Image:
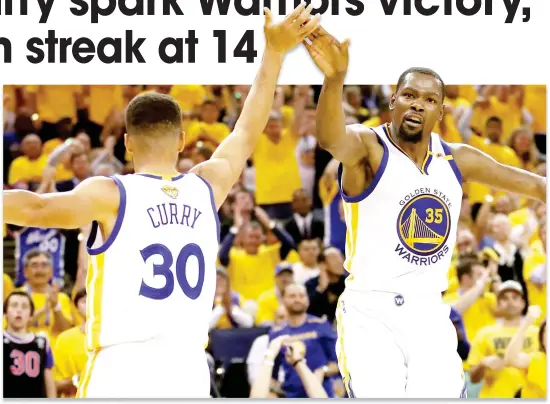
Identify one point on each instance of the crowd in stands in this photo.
(283, 237)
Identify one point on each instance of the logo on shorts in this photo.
(423, 226)
(399, 300)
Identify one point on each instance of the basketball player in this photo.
(28, 359)
(402, 188)
(155, 236)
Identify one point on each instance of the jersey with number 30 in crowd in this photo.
(155, 272)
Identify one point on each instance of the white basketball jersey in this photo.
(401, 231)
(155, 275)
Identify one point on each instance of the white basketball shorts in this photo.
(152, 369)
(397, 346)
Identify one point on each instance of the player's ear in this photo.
(128, 143)
(392, 101)
(181, 142)
(441, 112)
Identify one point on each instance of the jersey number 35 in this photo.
(165, 270)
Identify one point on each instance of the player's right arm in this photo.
(96, 198)
(343, 142)
(228, 161)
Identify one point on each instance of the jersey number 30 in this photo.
(165, 270)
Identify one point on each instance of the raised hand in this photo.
(330, 56)
(289, 33)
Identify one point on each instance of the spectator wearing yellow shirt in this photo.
(535, 102)
(523, 143)
(277, 171)
(250, 266)
(70, 352)
(207, 131)
(270, 300)
(535, 273)
(8, 286)
(533, 363)
(473, 301)
(383, 116)
(486, 359)
(26, 170)
(53, 313)
(227, 309)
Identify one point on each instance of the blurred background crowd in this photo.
(283, 234)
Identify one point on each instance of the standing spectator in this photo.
(277, 172)
(8, 286)
(28, 358)
(303, 225)
(26, 170)
(250, 266)
(208, 131)
(325, 290)
(308, 267)
(269, 301)
(314, 335)
(486, 360)
(80, 166)
(53, 313)
(70, 352)
(227, 307)
(535, 272)
(533, 363)
(474, 301)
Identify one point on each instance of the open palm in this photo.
(330, 56)
(289, 33)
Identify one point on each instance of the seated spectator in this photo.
(535, 273)
(314, 335)
(53, 313)
(227, 307)
(325, 289)
(303, 225)
(308, 267)
(269, 301)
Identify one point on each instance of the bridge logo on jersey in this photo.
(172, 192)
(423, 226)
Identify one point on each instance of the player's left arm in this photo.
(479, 167)
(228, 161)
(95, 198)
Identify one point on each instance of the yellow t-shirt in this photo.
(251, 275)
(277, 172)
(536, 293)
(267, 306)
(55, 101)
(480, 314)
(509, 112)
(24, 170)
(372, 122)
(70, 354)
(45, 322)
(535, 102)
(102, 99)
(501, 153)
(218, 131)
(188, 97)
(467, 92)
(493, 340)
(8, 286)
(288, 116)
(535, 387)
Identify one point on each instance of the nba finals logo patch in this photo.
(170, 191)
(423, 226)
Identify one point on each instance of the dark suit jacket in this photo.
(317, 230)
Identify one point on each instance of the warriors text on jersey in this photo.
(154, 276)
(401, 230)
(25, 360)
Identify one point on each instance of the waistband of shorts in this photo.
(405, 298)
